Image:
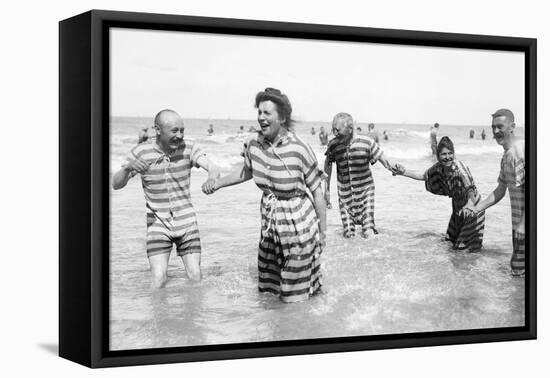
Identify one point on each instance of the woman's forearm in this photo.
(320, 208)
(238, 176)
(414, 175)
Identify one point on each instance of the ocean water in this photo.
(406, 279)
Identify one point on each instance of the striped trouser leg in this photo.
(368, 210)
(518, 256)
(347, 220)
(269, 271)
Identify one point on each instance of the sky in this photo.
(217, 76)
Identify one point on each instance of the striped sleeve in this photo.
(195, 154)
(131, 156)
(512, 167)
(313, 175)
(433, 179)
(375, 152)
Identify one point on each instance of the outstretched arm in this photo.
(208, 166)
(385, 162)
(402, 171)
(238, 176)
(491, 199)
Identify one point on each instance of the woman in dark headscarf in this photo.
(450, 177)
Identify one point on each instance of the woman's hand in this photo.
(210, 186)
(468, 211)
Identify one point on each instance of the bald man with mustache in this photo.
(165, 168)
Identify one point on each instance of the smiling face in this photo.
(446, 157)
(503, 130)
(269, 120)
(342, 128)
(169, 128)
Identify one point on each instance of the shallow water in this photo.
(406, 279)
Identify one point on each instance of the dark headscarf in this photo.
(284, 108)
(445, 142)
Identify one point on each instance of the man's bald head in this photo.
(170, 129)
(168, 117)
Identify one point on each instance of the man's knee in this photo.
(192, 266)
(159, 268)
(159, 278)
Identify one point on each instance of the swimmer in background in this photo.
(472, 133)
(433, 138)
(143, 135)
(210, 130)
(373, 133)
(385, 135)
(241, 130)
(313, 131)
(323, 136)
(483, 134)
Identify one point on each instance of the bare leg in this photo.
(192, 262)
(159, 268)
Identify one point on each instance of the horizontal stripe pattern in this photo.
(355, 181)
(466, 232)
(512, 174)
(457, 182)
(518, 256)
(289, 249)
(288, 167)
(166, 187)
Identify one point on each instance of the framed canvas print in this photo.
(236, 188)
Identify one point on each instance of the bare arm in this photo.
(320, 209)
(402, 171)
(208, 166)
(328, 171)
(120, 179)
(238, 176)
(491, 199)
(385, 162)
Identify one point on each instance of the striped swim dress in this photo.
(458, 183)
(355, 181)
(166, 185)
(289, 249)
(512, 174)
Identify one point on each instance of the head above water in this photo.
(436, 125)
(371, 126)
(169, 129)
(342, 126)
(445, 151)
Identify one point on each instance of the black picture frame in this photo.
(84, 194)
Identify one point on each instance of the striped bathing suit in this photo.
(170, 214)
(512, 174)
(289, 249)
(355, 181)
(458, 183)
